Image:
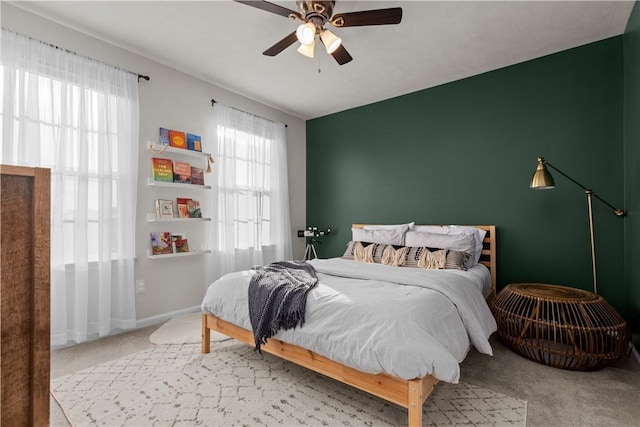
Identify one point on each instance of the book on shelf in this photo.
(194, 142)
(161, 243)
(180, 242)
(197, 175)
(193, 209)
(181, 172)
(183, 209)
(164, 208)
(164, 136)
(188, 208)
(162, 169)
(177, 139)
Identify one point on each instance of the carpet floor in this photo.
(554, 397)
(233, 385)
(185, 329)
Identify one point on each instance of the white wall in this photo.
(175, 100)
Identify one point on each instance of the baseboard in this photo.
(634, 350)
(148, 321)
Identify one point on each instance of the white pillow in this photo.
(405, 227)
(458, 229)
(384, 237)
(463, 242)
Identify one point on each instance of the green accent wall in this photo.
(631, 42)
(464, 153)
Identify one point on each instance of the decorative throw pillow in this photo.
(457, 260)
(364, 252)
(435, 259)
(452, 259)
(348, 253)
(394, 255)
(406, 256)
(376, 250)
(416, 253)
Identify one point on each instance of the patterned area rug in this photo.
(233, 385)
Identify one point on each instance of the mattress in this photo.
(406, 322)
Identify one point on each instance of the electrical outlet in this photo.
(141, 287)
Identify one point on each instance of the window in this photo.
(252, 201)
(79, 118)
(72, 149)
(73, 152)
(250, 189)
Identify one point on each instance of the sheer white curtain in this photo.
(78, 117)
(251, 204)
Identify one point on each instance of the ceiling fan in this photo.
(313, 16)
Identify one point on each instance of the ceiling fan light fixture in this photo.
(307, 49)
(306, 33)
(330, 40)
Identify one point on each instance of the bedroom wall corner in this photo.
(631, 42)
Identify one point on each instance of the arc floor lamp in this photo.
(542, 180)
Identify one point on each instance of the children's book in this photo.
(194, 142)
(197, 175)
(183, 207)
(162, 169)
(161, 243)
(180, 242)
(193, 209)
(164, 136)
(164, 208)
(177, 139)
(181, 172)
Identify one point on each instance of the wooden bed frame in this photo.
(409, 394)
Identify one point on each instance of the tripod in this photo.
(310, 250)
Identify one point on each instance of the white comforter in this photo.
(406, 322)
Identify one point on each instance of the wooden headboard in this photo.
(488, 256)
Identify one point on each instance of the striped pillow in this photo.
(395, 255)
(406, 256)
(457, 260)
(375, 250)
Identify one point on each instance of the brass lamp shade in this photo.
(542, 179)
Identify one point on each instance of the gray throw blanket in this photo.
(278, 297)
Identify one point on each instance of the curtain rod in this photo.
(213, 102)
(140, 76)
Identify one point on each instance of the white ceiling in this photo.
(436, 42)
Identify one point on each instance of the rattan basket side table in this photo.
(559, 326)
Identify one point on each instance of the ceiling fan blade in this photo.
(271, 7)
(341, 55)
(281, 45)
(368, 17)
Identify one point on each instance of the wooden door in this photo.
(24, 295)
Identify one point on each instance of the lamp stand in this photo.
(543, 180)
(593, 243)
(559, 326)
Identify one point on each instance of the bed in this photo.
(425, 360)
